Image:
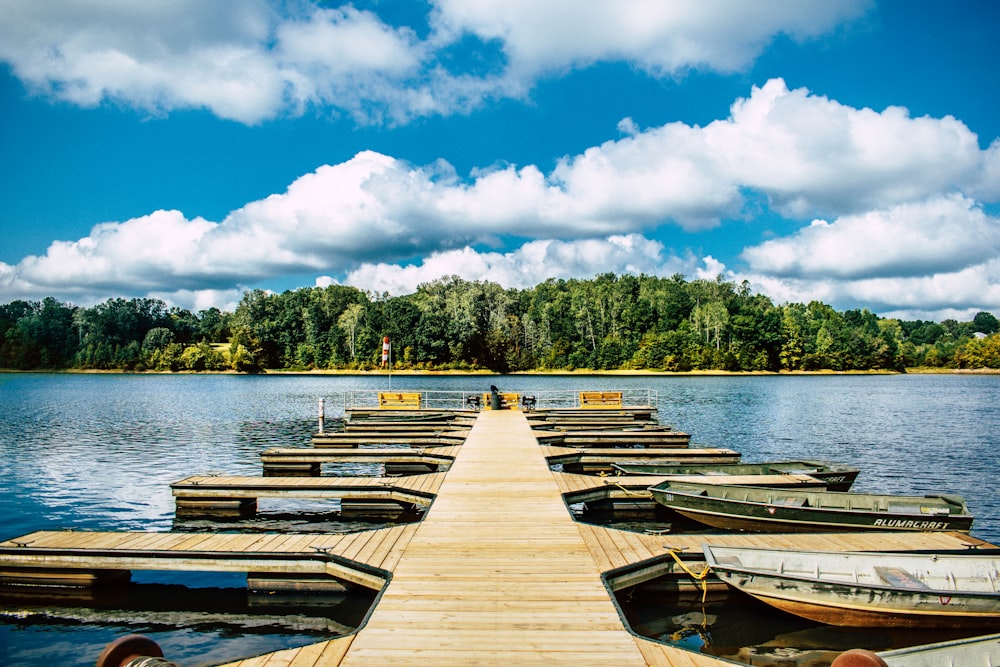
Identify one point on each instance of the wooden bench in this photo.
(600, 399)
(406, 400)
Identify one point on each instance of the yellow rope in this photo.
(637, 494)
(701, 577)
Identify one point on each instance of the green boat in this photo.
(836, 477)
(762, 509)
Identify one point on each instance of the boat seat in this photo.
(897, 577)
(790, 502)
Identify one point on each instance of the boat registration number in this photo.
(668, 496)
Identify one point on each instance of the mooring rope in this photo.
(627, 492)
(700, 577)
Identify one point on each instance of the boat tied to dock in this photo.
(750, 508)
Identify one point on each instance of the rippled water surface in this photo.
(98, 452)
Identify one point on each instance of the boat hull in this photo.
(867, 589)
(779, 510)
(843, 605)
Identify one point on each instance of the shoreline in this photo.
(583, 372)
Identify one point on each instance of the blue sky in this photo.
(842, 151)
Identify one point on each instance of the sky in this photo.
(845, 151)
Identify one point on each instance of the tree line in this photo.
(605, 323)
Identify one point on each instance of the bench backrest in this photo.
(399, 400)
(600, 399)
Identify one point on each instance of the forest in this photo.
(610, 322)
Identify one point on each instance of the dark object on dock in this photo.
(835, 477)
(858, 657)
(783, 510)
(133, 651)
(866, 589)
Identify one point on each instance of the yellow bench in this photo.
(406, 400)
(600, 399)
(508, 400)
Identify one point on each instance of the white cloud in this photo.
(928, 260)
(900, 190)
(956, 295)
(195, 300)
(941, 235)
(661, 36)
(255, 60)
(810, 154)
(527, 265)
(244, 60)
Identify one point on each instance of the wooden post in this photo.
(321, 414)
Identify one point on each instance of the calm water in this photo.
(98, 452)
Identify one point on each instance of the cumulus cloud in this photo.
(244, 60)
(661, 36)
(938, 236)
(933, 259)
(527, 265)
(900, 192)
(811, 153)
(957, 295)
(255, 60)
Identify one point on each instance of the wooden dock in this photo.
(409, 438)
(308, 461)
(204, 494)
(602, 459)
(614, 438)
(496, 573)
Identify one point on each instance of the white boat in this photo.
(867, 589)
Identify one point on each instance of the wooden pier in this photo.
(614, 438)
(207, 495)
(308, 461)
(602, 460)
(496, 573)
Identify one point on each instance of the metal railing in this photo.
(360, 399)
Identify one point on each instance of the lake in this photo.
(98, 452)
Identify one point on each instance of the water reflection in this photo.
(737, 627)
(98, 452)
